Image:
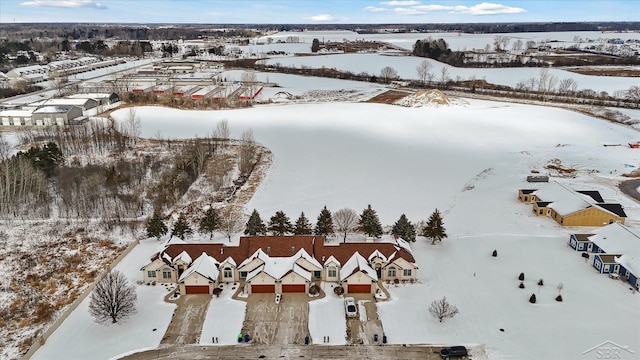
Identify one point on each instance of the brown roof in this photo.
(220, 252)
(285, 246)
(280, 246)
(608, 258)
(344, 251)
(582, 237)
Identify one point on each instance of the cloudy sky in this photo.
(316, 11)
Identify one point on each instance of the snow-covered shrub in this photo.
(494, 253)
(540, 282)
(559, 298)
(521, 277)
(521, 286)
(532, 299)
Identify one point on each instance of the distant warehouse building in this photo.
(84, 104)
(59, 115)
(16, 117)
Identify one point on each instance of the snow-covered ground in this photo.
(406, 67)
(327, 318)
(79, 337)
(223, 320)
(468, 160)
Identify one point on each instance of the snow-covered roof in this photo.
(230, 261)
(302, 253)
(166, 257)
(620, 239)
(18, 113)
(184, 257)
(332, 259)
(205, 90)
(277, 267)
(64, 101)
(53, 109)
(357, 263)
(93, 96)
(204, 265)
(378, 254)
(564, 200)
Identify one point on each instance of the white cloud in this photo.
(374, 9)
(408, 11)
(64, 4)
(322, 17)
(488, 9)
(479, 9)
(400, 3)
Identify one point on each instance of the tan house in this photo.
(200, 277)
(279, 264)
(572, 207)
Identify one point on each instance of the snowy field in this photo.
(406, 67)
(467, 160)
(80, 338)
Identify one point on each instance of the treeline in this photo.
(124, 32)
(67, 174)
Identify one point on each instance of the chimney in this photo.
(293, 249)
(268, 249)
(221, 250)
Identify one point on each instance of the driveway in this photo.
(186, 324)
(630, 187)
(268, 323)
(361, 330)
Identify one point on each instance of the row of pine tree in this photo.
(279, 224)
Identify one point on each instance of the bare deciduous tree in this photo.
(517, 45)
(633, 93)
(424, 71)
(442, 309)
(133, 125)
(388, 73)
(231, 221)
(113, 299)
(500, 42)
(444, 76)
(567, 86)
(247, 152)
(345, 221)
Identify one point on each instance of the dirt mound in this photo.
(430, 98)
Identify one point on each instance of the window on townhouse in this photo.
(243, 274)
(392, 271)
(151, 274)
(316, 274)
(166, 274)
(406, 272)
(228, 273)
(332, 271)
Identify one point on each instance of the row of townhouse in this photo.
(281, 264)
(614, 249)
(570, 207)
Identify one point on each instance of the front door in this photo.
(379, 271)
(590, 247)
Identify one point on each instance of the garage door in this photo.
(293, 288)
(263, 289)
(359, 288)
(197, 289)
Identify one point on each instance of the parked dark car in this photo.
(453, 352)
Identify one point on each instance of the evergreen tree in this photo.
(404, 229)
(315, 45)
(280, 224)
(181, 227)
(434, 229)
(324, 226)
(155, 226)
(255, 226)
(303, 226)
(370, 223)
(210, 222)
